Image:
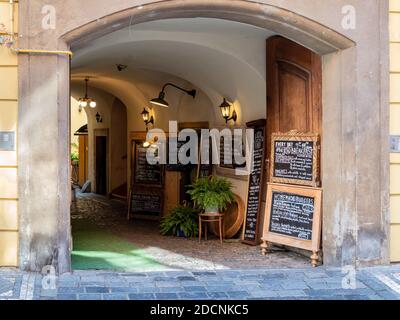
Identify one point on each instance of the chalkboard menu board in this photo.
(255, 187)
(145, 203)
(145, 173)
(293, 217)
(179, 166)
(228, 153)
(295, 158)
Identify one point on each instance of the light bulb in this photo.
(83, 104)
(146, 144)
(93, 104)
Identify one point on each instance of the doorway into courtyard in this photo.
(260, 74)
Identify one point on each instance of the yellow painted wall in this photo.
(8, 159)
(395, 128)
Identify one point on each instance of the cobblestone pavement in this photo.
(378, 283)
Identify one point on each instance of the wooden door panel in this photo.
(294, 88)
(294, 104)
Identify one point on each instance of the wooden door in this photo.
(83, 159)
(294, 88)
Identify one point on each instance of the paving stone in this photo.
(151, 289)
(115, 284)
(89, 296)
(68, 284)
(166, 284)
(264, 294)
(186, 278)
(273, 276)
(166, 296)
(317, 274)
(67, 297)
(238, 294)
(97, 290)
(70, 290)
(219, 288)
(193, 295)
(124, 290)
(294, 284)
(141, 296)
(217, 295)
(291, 293)
(115, 296)
(195, 289)
(172, 290)
(204, 273)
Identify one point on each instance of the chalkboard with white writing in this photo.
(144, 172)
(231, 155)
(145, 203)
(255, 186)
(295, 159)
(293, 217)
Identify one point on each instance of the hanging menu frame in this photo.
(256, 179)
(143, 214)
(295, 137)
(135, 156)
(314, 243)
(143, 188)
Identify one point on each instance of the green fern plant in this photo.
(211, 193)
(183, 219)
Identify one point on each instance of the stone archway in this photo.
(341, 215)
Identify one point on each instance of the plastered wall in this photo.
(8, 159)
(395, 129)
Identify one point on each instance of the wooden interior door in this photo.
(294, 88)
(83, 159)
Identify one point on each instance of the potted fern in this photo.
(182, 221)
(212, 194)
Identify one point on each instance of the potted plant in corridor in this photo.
(212, 194)
(181, 222)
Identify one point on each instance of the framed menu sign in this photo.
(143, 172)
(293, 218)
(145, 204)
(229, 152)
(295, 158)
(255, 185)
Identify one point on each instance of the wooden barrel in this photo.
(234, 217)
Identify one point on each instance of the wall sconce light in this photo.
(99, 118)
(160, 101)
(147, 118)
(225, 108)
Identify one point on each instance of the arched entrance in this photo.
(340, 210)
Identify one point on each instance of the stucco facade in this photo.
(355, 157)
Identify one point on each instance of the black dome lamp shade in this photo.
(160, 100)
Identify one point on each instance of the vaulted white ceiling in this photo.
(221, 58)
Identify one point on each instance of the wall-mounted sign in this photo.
(295, 158)
(7, 141)
(143, 172)
(293, 218)
(255, 187)
(395, 144)
(228, 153)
